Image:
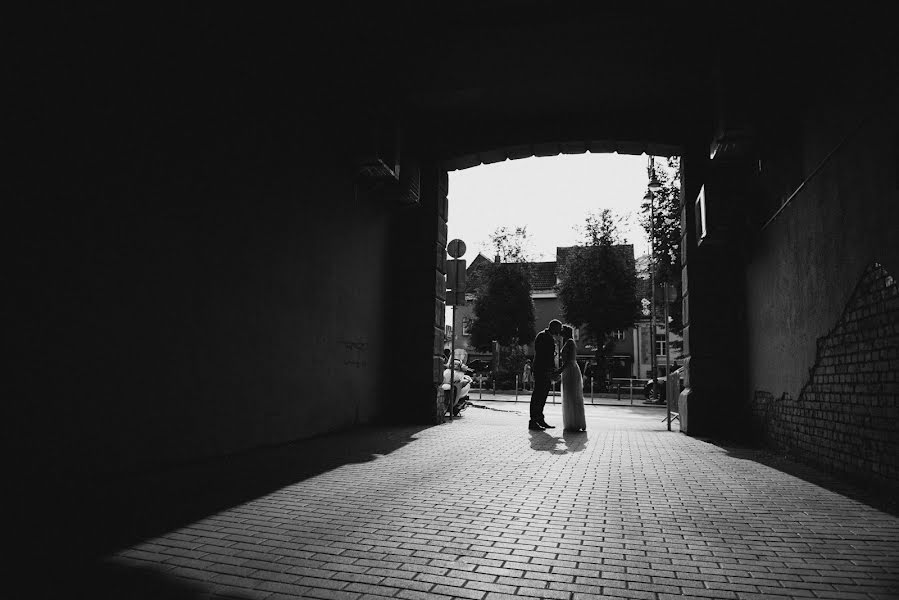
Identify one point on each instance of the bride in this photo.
(573, 418)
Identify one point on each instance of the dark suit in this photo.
(544, 365)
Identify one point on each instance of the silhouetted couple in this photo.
(545, 371)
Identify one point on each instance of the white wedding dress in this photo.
(573, 418)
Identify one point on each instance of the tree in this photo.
(602, 228)
(597, 285)
(503, 309)
(665, 231)
(597, 290)
(503, 313)
(511, 245)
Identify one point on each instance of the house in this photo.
(644, 341)
(629, 355)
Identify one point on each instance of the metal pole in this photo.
(592, 399)
(480, 386)
(516, 388)
(667, 362)
(652, 283)
(495, 363)
(452, 389)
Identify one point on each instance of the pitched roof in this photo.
(625, 251)
(542, 275)
(473, 272)
(479, 260)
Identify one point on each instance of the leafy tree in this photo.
(504, 313)
(602, 228)
(597, 290)
(511, 245)
(597, 287)
(664, 226)
(503, 309)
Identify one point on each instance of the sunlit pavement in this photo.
(483, 508)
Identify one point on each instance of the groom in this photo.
(544, 371)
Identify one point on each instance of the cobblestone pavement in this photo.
(483, 508)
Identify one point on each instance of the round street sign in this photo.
(456, 248)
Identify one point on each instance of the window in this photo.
(466, 326)
(618, 334)
(661, 345)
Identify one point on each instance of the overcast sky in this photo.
(549, 195)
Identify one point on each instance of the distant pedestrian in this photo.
(528, 376)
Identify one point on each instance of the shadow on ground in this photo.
(875, 498)
(108, 581)
(83, 521)
(563, 443)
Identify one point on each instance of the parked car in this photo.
(479, 366)
(662, 386)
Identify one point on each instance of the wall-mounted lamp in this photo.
(654, 184)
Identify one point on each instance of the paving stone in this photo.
(357, 577)
(367, 588)
(471, 576)
(230, 592)
(416, 595)
(490, 587)
(500, 596)
(458, 592)
(281, 587)
(330, 594)
(628, 510)
(440, 580)
(408, 584)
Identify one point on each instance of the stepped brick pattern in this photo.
(481, 508)
(846, 418)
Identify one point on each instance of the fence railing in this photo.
(622, 386)
(672, 396)
(628, 385)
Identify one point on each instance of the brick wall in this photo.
(846, 418)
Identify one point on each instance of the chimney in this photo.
(496, 259)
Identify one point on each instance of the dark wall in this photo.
(821, 374)
(416, 312)
(808, 261)
(194, 272)
(758, 293)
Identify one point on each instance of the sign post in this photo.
(672, 395)
(455, 283)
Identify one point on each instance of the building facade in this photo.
(629, 354)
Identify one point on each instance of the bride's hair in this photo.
(567, 332)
